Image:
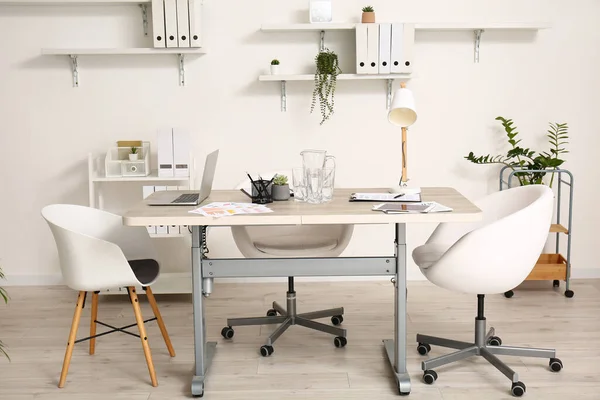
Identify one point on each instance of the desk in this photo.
(338, 211)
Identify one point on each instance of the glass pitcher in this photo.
(313, 162)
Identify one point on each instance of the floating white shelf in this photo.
(425, 26)
(70, 2)
(341, 77)
(123, 51)
(181, 52)
(99, 176)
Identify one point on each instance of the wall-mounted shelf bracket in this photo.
(322, 44)
(145, 18)
(283, 96)
(181, 58)
(388, 103)
(478, 33)
(75, 70)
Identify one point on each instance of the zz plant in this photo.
(4, 296)
(328, 69)
(523, 159)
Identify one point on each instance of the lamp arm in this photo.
(404, 177)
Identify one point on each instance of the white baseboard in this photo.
(33, 280)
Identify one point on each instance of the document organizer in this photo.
(117, 163)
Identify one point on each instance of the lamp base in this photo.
(404, 189)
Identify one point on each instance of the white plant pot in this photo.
(133, 157)
(274, 69)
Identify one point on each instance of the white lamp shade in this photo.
(403, 111)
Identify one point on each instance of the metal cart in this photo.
(550, 266)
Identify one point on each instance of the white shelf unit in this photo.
(70, 2)
(477, 28)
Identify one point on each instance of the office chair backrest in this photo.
(85, 237)
(246, 236)
(496, 254)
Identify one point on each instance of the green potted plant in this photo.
(4, 295)
(368, 15)
(523, 159)
(274, 67)
(281, 188)
(133, 156)
(328, 69)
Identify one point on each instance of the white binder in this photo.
(158, 23)
(171, 23)
(183, 23)
(361, 48)
(165, 153)
(397, 51)
(195, 11)
(181, 152)
(372, 48)
(407, 47)
(385, 48)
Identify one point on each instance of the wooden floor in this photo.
(305, 365)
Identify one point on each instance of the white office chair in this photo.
(90, 245)
(488, 257)
(284, 242)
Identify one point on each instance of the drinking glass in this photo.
(299, 184)
(328, 184)
(314, 185)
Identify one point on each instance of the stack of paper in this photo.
(222, 209)
(385, 197)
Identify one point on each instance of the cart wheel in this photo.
(569, 293)
(509, 294)
(556, 283)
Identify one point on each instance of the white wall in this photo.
(48, 127)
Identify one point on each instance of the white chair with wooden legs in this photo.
(488, 257)
(96, 251)
(284, 242)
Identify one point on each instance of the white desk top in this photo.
(338, 211)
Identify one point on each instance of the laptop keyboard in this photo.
(187, 198)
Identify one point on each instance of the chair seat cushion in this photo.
(428, 254)
(146, 271)
(287, 245)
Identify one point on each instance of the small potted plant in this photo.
(368, 15)
(274, 67)
(133, 156)
(281, 188)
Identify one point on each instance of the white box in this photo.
(173, 229)
(158, 23)
(172, 188)
(181, 152)
(171, 23)
(165, 153)
(117, 163)
(372, 48)
(159, 188)
(361, 48)
(147, 191)
(162, 230)
(183, 23)
(385, 48)
(195, 12)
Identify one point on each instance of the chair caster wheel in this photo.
(569, 293)
(337, 319)
(494, 341)
(340, 341)
(555, 283)
(272, 313)
(509, 294)
(423, 348)
(518, 389)
(266, 351)
(555, 364)
(429, 376)
(227, 332)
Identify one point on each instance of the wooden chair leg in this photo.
(140, 323)
(93, 322)
(159, 320)
(72, 337)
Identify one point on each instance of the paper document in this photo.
(222, 209)
(384, 197)
(421, 207)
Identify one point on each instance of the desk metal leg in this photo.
(203, 351)
(396, 348)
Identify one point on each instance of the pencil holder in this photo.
(262, 191)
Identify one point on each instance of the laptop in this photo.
(172, 198)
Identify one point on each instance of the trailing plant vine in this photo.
(325, 81)
(523, 159)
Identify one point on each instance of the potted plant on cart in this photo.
(328, 69)
(281, 188)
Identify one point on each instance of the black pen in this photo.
(400, 195)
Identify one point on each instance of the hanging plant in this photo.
(325, 80)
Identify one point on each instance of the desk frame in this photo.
(204, 270)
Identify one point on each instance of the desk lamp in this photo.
(403, 113)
